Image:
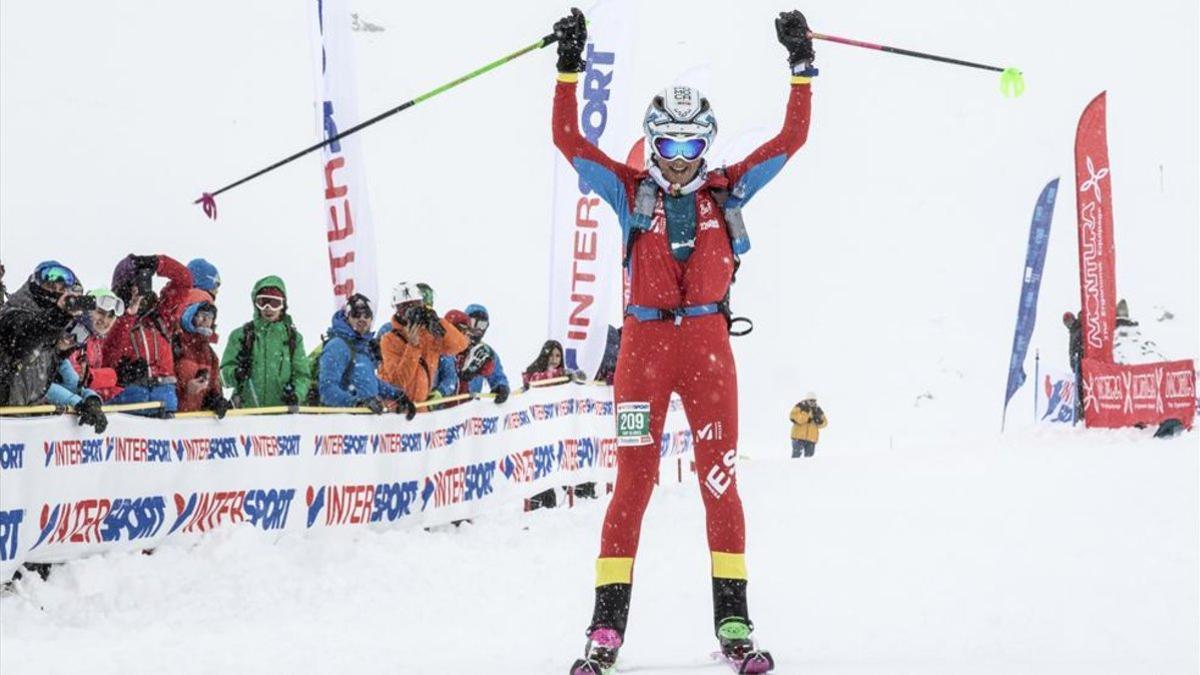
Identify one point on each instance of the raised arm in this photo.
(749, 175)
(609, 178)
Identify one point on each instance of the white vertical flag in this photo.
(348, 228)
(585, 246)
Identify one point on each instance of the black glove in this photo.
(818, 415)
(405, 406)
(132, 371)
(501, 393)
(90, 414)
(216, 403)
(433, 323)
(372, 404)
(571, 31)
(244, 368)
(793, 32)
(289, 397)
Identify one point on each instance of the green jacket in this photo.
(272, 366)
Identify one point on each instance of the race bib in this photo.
(633, 424)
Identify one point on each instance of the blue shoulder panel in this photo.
(758, 176)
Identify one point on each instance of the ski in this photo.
(751, 662)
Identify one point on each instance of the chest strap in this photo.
(677, 315)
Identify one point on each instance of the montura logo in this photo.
(1094, 178)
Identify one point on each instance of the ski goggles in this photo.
(268, 302)
(110, 303)
(669, 147)
(51, 274)
(478, 324)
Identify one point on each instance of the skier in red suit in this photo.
(682, 229)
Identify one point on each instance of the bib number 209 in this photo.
(633, 423)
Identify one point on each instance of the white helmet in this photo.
(405, 292)
(680, 123)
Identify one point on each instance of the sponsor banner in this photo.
(1031, 283)
(65, 493)
(1057, 400)
(1120, 395)
(349, 232)
(585, 237)
(1097, 257)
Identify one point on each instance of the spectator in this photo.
(68, 391)
(413, 347)
(348, 362)
(90, 330)
(807, 421)
(138, 346)
(547, 366)
(32, 321)
(1075, 355)
(197, 369)
(480, 363)
(205, 277)
(264, 359)
(607, 371)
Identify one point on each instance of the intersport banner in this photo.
(1122, 395)
(349, 232)
(585, 238)
(1031, 283)
(1097, 259)
(66, 493)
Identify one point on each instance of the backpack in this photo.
(644, 203)
(246, 351)
(314, 360)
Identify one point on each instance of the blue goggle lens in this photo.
(57, 273)
(670, 148)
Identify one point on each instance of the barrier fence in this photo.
(66, 492)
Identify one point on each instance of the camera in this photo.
(420, 315)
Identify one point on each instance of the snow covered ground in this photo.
(1040, 554)
(885, 275)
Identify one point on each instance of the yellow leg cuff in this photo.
(728, 565)
(797, 79)
(614, 571)
(568, 77)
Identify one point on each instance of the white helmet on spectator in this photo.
(404, 293)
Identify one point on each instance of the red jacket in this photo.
(196, 354)
(88, 361)
(547, 374)
(147, 337)
(658, 279)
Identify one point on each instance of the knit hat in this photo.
(204, 274)
(810, 396)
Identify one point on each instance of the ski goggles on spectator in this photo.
(52, 274)
(669, 147)
(479, 324)
(111, 304)
(359, 310)
(268, 302)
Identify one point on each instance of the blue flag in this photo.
(1035, 259)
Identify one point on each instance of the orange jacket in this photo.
(412, 368)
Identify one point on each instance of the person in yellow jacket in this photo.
(417, 340)
(807, 421)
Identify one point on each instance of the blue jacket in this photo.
(447, 376)
(69, 390)
(343, 348)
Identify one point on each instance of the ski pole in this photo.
(208, 199)
(1012, 81)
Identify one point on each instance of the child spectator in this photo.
(197, 370)
(68, 391)
(264, 360)
(547, 366)
(480, 363)
(807, 421)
